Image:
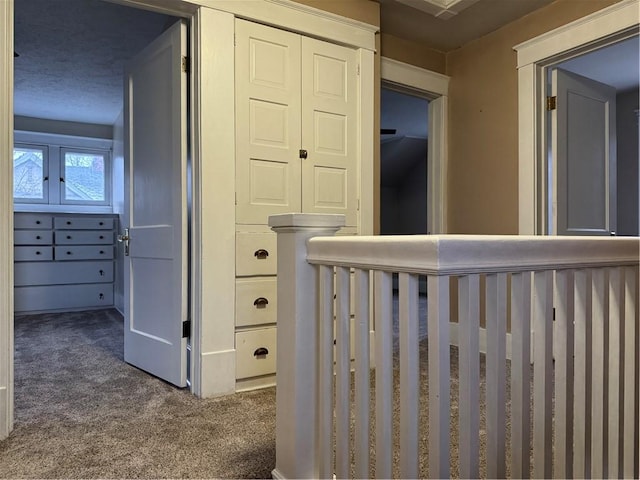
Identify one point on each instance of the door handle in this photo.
(125, 239)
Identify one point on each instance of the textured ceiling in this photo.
(445, 35)
(72, 56)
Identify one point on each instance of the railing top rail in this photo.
(467, 254)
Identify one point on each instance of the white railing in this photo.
(580, 409)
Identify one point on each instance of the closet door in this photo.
(267, 122)
(329, 129)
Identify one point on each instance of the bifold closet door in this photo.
(329, 129)
(267, 122)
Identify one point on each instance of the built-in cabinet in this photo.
(63, 261)
(296, 151)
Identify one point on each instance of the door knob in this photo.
(125, 240)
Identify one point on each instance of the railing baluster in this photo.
(598, 354)
(469, 362)
(439, 371)
(496, 298)
(630, 413)
(520, 373)
(563, 354)
(384, 372)
(582, 377)
(362, 366)
(325, 404)
(542, 374)
(616, 315)
(409, 375)
(343, 375)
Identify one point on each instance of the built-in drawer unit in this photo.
(256, 301)
(256, 254)
(63, 261)
(255, 352)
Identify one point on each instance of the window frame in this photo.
(106, 156)
(45, 174)
(54, 146)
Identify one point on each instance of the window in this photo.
(60, 170)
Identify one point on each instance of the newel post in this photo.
(297, 354)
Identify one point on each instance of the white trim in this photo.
(6, 218)
(66, 141)
(296, 17)
(593, 31)
(366, 134)
(435, 85)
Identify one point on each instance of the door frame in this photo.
(212, 137)
(435, 87)
(604, 27)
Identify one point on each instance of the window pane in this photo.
(28, 173)
(84, 178)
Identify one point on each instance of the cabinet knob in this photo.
(38, 237)
(37, 222)
(101, 296)
(68, 253)
(261, 352)
(101, 223)
(68, 222)
(68, 237)
(261, 254)
(101, 252)
(261, 302)
(37, 253)
(101, 237)
(101, 272)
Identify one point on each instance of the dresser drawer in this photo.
(55, 297)
(31, 220)
(84, 252)
(90, 237)
(255, 352)
(33, 254)
(32, 237)
(256, 301)
(83, 223)
(256, 254)
(63, 273)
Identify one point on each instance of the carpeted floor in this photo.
(81, 412)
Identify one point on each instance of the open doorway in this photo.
(403, 163)
(592, 121)
(69, 100)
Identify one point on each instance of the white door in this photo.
(267, 122)
(583, 132)
(329, 129)
(156, 296)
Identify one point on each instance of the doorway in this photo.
(594, 190)
(69, 71)
(403, 163)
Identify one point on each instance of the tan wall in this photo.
(483, 120)
(366, 11)
(413, 53)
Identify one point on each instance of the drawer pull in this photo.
(261, 302)
(38, 253)
(101, 296)
(101, 272)
(37, 222)
(68, 222)
(68, 237)
(261, 352)
(101, 237)
(101, 252)
(38, 237)
(101, 223)
(261, 254)
(68, 253)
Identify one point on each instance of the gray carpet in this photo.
(81, 412)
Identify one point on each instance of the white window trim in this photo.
(106, 156)
(594, 31)
(45, 169)
(435, 86)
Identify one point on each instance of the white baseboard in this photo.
(218, 373)
(276, 475)
(6, 422)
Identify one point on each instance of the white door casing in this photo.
(436, 87)
(156, 202)
(583, 149)
(609, 25)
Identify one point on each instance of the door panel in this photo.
(267, 122)
(156, 293)
(583, 146)
(329, 129)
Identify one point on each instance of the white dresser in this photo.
(63, 261)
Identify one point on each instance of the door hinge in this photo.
(358, 205)
(358, 69)
(552, 103)
(186, 329)
(185, 64)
